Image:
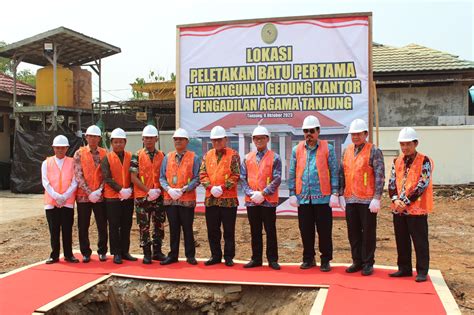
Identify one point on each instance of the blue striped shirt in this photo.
(311, 191)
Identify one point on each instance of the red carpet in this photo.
(27, 290)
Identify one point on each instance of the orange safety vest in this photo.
(359, 175)
(180, 175)
(92, 173)
(120, 173)
(219, 172)
(259, 176)
(424, 204)
(148, 171)
(60, 179)
(322, 155)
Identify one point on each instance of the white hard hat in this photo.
(118, 133)
(60, 141)
(311, 122)
(93, 131)
(150, 131)
(407, 134)
(260, 131)
(181, 133)
(358, 125)
(218, 132)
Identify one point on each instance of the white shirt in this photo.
(50, 190)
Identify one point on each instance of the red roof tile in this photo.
(241, 119)
(23, 89)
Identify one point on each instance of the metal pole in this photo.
(55, 89)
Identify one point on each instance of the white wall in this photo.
(450, 147)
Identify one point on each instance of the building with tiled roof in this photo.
(25, 96)
(421, 86)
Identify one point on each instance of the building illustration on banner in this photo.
(285, 133)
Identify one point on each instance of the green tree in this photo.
(4, 62)
(26, 75)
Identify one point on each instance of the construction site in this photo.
(416, 86)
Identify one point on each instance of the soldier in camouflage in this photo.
(145, 173)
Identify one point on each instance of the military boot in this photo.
(157, 253)
(147, 254)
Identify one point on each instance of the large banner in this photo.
(274, 72)
(278, 71)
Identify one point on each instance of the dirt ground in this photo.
(25, 240)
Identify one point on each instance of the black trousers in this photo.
(60, 220)
(180, 217)
(410, 228)
(319, 216)
(215, 217)
(84, 211)
(266, 216)
(119, 216)
(362, 233)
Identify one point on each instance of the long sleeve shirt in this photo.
(191, 186)
(423, 182)
(311, 191)
(50, 190)
(107, 173)
(271, 188)
(79, 175)
(230, 182)
(377, 163)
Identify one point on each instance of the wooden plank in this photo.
(178, 77)
(319, 301)
(47, 307)
(371, 86)
(444, 294)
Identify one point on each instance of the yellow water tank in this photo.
(44, 86)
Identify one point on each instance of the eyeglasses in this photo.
(309, 130)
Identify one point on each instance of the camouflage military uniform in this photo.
(149, 212)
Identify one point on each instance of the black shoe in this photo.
(86, 259)
(252, 264)
(325, 267)
(400, 273)
(71, 259)
(192, 261)
(212, 261)
(420, 278)
(129, 257)
(168, 261)
(354, 268)
(367, 270)
(102, 257)
(51, 260)
(117, 259)
(229, 262)
(307, 264)
(159, 256)
(274, 265)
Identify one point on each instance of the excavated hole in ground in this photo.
(132, 296)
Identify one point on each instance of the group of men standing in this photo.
(112, 184)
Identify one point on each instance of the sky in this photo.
(146, 30)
